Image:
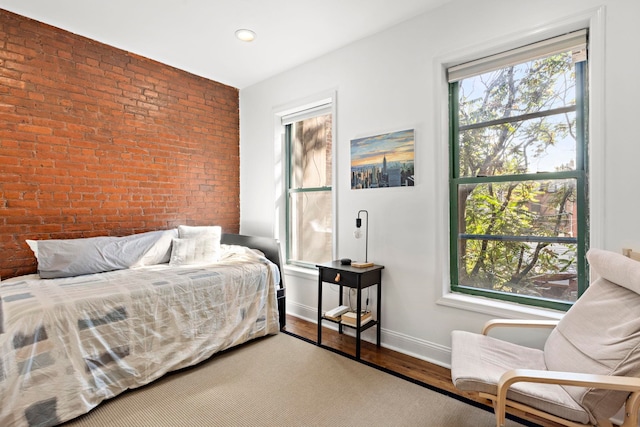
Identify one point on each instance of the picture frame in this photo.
(383, 161)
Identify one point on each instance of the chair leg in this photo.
(631, 408)
(492, 398)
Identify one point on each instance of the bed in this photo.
(68, 343)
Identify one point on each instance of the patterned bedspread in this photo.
(68, 344)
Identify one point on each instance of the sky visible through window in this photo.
(476, 90)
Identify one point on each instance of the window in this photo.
(518, 179)
(309, 144)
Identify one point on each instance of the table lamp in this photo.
(358, 234)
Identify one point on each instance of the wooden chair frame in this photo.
(500, 401)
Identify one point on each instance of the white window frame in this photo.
(594, 21)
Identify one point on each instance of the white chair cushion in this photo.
(600, 334)
(478, 362)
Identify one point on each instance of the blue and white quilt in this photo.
(67, 344)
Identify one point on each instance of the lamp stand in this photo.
(366, 262)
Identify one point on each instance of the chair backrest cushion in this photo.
(600, 334)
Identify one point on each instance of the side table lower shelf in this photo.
(364, 327)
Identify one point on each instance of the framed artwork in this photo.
(384, 160)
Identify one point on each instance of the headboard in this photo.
(271, 249)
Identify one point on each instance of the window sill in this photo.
(302, 272)
(497, 309)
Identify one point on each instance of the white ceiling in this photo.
(198, 35)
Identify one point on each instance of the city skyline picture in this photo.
(385, 160)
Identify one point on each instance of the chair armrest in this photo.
(511, 323)
(609, 382)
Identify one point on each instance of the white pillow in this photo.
(209, 232)
(75, 257)
(194, 251)
(190, 232)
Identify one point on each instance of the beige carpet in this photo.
(284, 381)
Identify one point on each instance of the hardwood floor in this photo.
(394, 361)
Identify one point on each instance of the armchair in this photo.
(589, 366)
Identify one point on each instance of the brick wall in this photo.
(97, 141)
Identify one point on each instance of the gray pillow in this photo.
(160, 251)
(74, 257)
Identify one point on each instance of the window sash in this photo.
(291, 233)
(288, 120)
(520, 118)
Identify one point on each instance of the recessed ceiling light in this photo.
(245, 35)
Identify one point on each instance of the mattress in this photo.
(67, 344)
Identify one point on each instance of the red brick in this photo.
(98, 141)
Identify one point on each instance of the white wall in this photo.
(393, 81)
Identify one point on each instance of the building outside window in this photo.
(518, 178)
(309, 144)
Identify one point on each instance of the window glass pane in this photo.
(520, 119)
(543, 144)
(538, 85)
(311, 226)
(519, 237)
(311, 152)
(521, 268)
(526, 208)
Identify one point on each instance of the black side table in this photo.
(351, 277)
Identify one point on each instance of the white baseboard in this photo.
(305, 312)
(414, 347)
